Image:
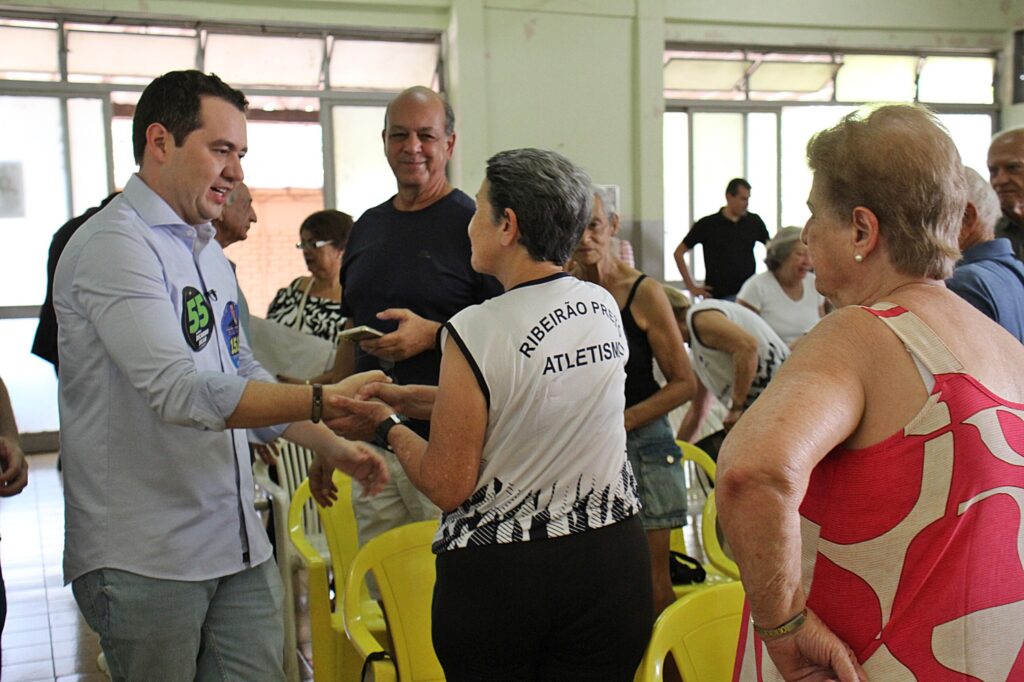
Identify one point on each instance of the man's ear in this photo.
(158, 141)
(864, 224)
(509, 228)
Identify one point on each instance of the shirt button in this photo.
(670, 459)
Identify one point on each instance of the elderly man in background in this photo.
(233, 226)
(1006, 172)
(988, 276)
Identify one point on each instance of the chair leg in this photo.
(291, 647)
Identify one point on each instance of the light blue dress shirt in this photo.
(152, 364)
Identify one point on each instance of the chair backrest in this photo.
(701, 630)
(711, 538)
(402, 563)
(292, 469)
(692, 453)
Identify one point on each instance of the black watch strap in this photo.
(317, 409)
(380, 438)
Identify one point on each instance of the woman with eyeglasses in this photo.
(313, 304)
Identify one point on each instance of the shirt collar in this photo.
(154, 211)
(994, 248)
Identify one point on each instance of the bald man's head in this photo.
(1006, 172)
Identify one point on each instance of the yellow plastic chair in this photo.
(334, 659)
(692, 453)
(403, 566)
(701, 630)
(715, 575)
(711, 538)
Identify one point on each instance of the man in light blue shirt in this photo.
(989, 276)
(168, 560)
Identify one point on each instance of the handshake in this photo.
(352, 409)
(355, 406)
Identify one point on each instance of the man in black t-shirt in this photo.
(406, 271)
(728, 237)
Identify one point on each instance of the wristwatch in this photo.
(380, 438)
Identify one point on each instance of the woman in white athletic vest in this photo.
(543, 570)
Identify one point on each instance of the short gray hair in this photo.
(607, 195)
(550, 196)
(781, 245)
(984, 198)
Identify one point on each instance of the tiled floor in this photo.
(45, 637)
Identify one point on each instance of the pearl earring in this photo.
(857, 257)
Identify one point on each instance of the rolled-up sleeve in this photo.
(120, 289)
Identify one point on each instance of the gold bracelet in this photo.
(791, 625)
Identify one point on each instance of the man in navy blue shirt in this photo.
(989, 276)
(407, 271)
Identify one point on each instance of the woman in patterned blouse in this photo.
(313, 304)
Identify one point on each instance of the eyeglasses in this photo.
(312, 245)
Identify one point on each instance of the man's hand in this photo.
(814, 653)
(358, 460)
(339, 419)
(697, 290)
(13, 468)
(320, 484)
(267, 452)
(413, 401)
(413, 336)
(357, 418)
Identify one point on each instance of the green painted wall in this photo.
(584, 76)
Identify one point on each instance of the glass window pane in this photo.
(265, 60)
(126, 57)
(124, 156)
(88, 153)
(703, 74)
(362, 176)
(284, 155)
(876, 78)
(677, 186)
(121, 135)
(31, 381)
(957, 79)
(717, 158)
(28, 53)
(383, 65)
(763, 175)
(33, 194)
(798, 125)
(971, 133)
(791, 76)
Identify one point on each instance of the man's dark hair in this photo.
(733, 188)
(550, 195)
(173, 100)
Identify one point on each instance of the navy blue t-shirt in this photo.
(417, 260)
